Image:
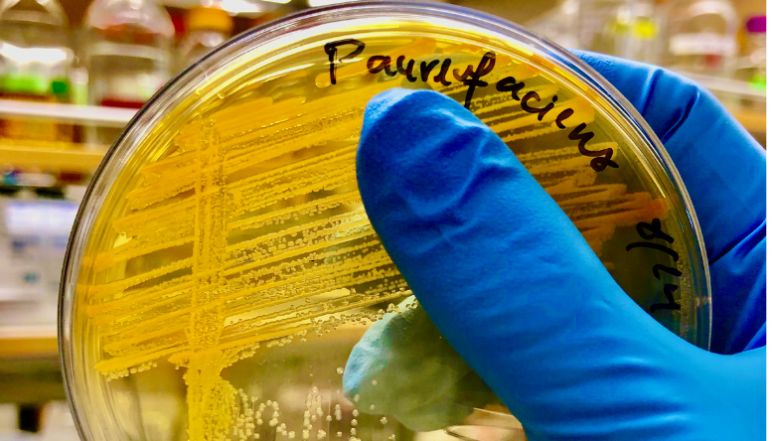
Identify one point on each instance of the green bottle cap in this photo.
(60, 86)
(758, 82)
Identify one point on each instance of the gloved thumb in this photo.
(511, 283)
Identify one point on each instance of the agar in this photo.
(248, 233)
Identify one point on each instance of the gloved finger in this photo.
(724, 170)
(502, 271)
(722, 166)
(440, 388)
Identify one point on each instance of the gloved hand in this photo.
(536, 315)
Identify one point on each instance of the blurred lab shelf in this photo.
(754, 121)
(28, 341)
(66, 113)
(747, 104)
(62, 156)
(727, 86)
(84, 160)
(29, 365)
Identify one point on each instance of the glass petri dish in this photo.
(222, 266)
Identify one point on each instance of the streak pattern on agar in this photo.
(249, 230)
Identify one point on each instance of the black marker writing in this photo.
(383, 62)
(472, 78)
(542, 112)
(654, 246)
(601, 158)
(426, 69)
(509, 84)
(671, 303)
(471, 75)
(562, 116)
(668, 269)
(332, 52)
(652, 231)
(406, 71)
(442, 77)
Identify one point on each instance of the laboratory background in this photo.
(70, 80)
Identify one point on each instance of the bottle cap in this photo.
(25, 84)
(757, 24)
(212, 19)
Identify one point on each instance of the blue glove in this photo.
(537, 316)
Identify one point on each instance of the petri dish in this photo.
(222, 266)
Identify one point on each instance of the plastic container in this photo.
(222, 266)
(128, 55)
(36, 56)
(207, 28)
(702, 36)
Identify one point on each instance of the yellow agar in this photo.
(246, 228)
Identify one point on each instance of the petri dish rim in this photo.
(183, 86)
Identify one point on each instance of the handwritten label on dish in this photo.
(472, 76)
(651, 232)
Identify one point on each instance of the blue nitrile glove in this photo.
(514, 288)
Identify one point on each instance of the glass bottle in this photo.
(36, 56)
(591, 21)
(633, 31)
(752, 67)
(702, 36)
(207, 28)
(128, 56)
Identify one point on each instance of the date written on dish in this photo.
(472, 76)
(650, 232)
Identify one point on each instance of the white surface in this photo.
(67, 113)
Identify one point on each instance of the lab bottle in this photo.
(702, 36)
(752, 67)
(207, 28)
(128, 56)
(633, 31)
(36, 56)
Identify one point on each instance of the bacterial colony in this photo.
(248, 232)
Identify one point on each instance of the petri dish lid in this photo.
(222, 264)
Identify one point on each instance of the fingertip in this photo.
(395, 123)
(394, 107)
(417, 153)
(389, 101)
